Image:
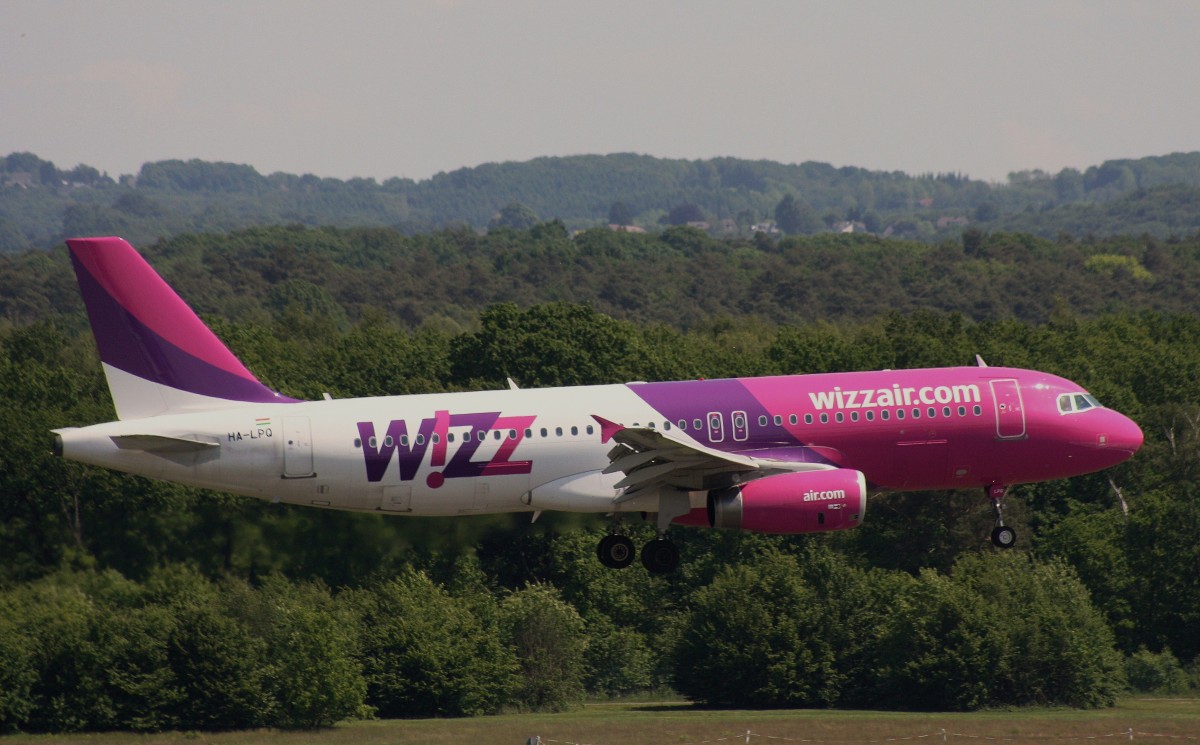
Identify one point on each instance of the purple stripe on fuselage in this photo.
(129, 345)
(692, 400)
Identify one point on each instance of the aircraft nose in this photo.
(1123, 435)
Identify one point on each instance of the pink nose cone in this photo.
(1125, 435)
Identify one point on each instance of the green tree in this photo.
(1163, 555)
(549, 639)
(795, 217)
(748, 640)
(315, 677)
(682, 214)
(17, 672)
(514, 215)
(425, 653)
(619, 214)
(546, 345)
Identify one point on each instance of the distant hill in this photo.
(40, 203)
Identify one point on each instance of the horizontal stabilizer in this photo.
(162, 444)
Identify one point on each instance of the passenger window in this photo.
(932, 412)
(762, 420)
(899, 413)
(420, 439)
(357, 442)
(589, 429)
(824, 419)
(574, 431)
(435, 439)
(916, 413)
(543, 432)
(529, 433)
(558, 431)
(696, 424)
(778, 420)
(682, 424)
(373, 443)
(449, 437)
(870, 416)
(840, 417)
(792, 418)
(854, 416)
(885, 415)
(387, 441)
(808, 419)
(496, 434)
(946, 411)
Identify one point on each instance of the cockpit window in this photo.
(1071, 403)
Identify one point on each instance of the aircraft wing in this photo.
(652, 459)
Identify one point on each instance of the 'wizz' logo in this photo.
(432, 436)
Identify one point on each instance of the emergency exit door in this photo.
(297, 448)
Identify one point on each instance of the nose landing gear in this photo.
(1002, 535)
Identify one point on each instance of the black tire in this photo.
(660, 556)
(615, 551)
(1004, 537)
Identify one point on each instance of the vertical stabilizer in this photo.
(158, 355)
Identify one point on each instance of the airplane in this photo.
(783, 454)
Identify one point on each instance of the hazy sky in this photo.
(409, 89)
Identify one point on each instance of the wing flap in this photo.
(655, 460)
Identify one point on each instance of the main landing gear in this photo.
(1002, 535)
(659, 556)
(616, 551)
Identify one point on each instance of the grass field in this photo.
(1158, 720)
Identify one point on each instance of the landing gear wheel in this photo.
(660, 556)
(615, 551)
(1004, 536)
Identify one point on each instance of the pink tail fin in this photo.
(158, 355)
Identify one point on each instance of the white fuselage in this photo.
(435, 454)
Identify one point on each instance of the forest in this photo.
(40, 203)
(136, 605)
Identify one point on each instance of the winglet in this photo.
(158, 355)
(607, 428)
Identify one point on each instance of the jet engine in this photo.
(803, 502)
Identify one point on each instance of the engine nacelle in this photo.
(803, 502)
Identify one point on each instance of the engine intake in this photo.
(805, 502)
